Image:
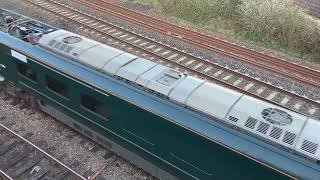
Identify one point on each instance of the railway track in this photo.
(21, 159)
(183, 61)
(275, 65)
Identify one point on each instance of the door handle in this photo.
(3, 66)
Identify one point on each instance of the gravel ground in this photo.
(80, 153)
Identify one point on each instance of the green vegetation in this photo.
(275, 24)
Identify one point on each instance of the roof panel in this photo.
(213, 99)
(113, 66)
(145, 78)
(134, 69)
(182, 91)
(98, 56)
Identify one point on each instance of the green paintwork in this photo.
(141, 129)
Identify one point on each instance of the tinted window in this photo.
(26, 71)
(57, 86)
(93, 105)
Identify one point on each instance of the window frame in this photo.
(23, 75)
(105, 116)
(55, 92)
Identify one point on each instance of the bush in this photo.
(199, 11)
(278, 20)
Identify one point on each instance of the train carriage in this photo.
(172, 125)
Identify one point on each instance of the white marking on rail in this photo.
(173, 56)
(151, 46)
(85, 19)
(259, 91)
(158, 49)
(181, 59)
(272, 95)
(81, 19)
(105, 28)
(248, 86)
(189, 62)
(117, 33)
(285, 100)
(101, 26)
(198, 66)
(111, 31)
(73, 16)
(68, 14)
(48, 6)
(144, 43)
(218, 73)
(64, 12)
(55, 9)
(227, 77)
(130, 38)
(94, 24)
(312, 111)
(59, 11)
(297, 106)
(207, 69)
(125, 35)
(237, 82)
(136, 41)
(88, 22)
(166, 52)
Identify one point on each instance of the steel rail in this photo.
(284, 68)
(43, 152)
(5, 175)
(185, 67)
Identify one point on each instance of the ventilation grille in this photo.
(233, 119)
(251, 122)
(60, 46)
(51, 43)
(69, 49)
(263, 127)
(275, 132)
(309, 146)
(289, 138)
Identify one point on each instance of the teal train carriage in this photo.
(172, 125)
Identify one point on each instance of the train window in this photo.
(93, 105)
(26, 71)
(57, 86)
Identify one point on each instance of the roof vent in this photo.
(57, 45)
(63, 47)
(71, 39)
(277, 116)
(289, 138)
(69, 49)
(275, 132)
(51, 43)
(169, 77)
(251, 122)
(263, 127)
(233, 119)
(309, 146)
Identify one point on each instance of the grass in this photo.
(274, 24)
